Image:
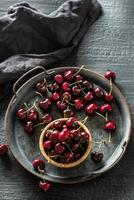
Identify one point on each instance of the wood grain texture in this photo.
(108, 44)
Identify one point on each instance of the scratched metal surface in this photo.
(108, 44)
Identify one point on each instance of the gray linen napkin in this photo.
(29, 38)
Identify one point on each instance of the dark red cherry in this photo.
(88, 85)
(108, 97)
(45, 186)
(68, 113)
(110, 74)
(63, 135)
(32, 115)
(22, 114)
(3, 149)
(71, 122)
(96, 156)
(28, 127)
(78, 77)
(47, 118)
(65, 86)
(38, 164)
(89, 96)
(40, 87)
(78, 103)
(59, 149)
(69, 157)
(91, 108)
(54, 136)
(66, 96)
(98, 92)
(110, 126)
(105, 107)
(55, 87)
(84, 137)
(47, 144)
(61, 105)
(57, 124)
(75, 132)
(76, 90)
(68, 75)
(58, 78)
(45, 104)
(55, 96)
(75, 147)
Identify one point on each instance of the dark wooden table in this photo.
(108, 44)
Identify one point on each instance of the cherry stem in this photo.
(49, 93)
(84, 121)
(109, 137)
(33, 106)
(111, 86)
(38, 124)
(39, 94)
(64, 98)
(75, 83)
(82, 90)
(79, 70)
(106, 116)
(41, 171)
(101, 115)
(71, 104)
(69, 148)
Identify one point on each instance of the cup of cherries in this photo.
(65, 142)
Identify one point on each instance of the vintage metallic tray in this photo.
(25, 147)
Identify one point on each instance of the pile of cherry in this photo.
(69, 92)
(65, 141)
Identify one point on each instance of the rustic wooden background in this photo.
(108, 44)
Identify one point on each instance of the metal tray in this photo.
(25, 148)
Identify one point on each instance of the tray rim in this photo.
(123, 144)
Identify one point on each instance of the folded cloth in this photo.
(29, 38)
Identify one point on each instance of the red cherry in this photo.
(55, 86)
(105, 107)
(3, 149)
(78, 103)
(44, 186)
(61, 105)
(110, 74)
(76, 90)
(78, 77)
(28, 127)
(88, 85)
(75, 132)
(55, 96)
(64, 134)
(58, 78)
(84, 137)
(68, 75)
(89, 96)
(57, 124)
(47, 118)
(38, 164)
(91, 108)
(59, 149)
(66, 96)
(110, 126)
(47, 144)
(54, 136)
(40, 87)
(22, 114)
(66, 87)
(71, 122)
(45, 104)
(108, 97)
(32, 115)
(99, 92)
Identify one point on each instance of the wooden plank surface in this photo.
(108, 44)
